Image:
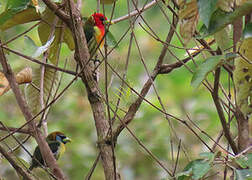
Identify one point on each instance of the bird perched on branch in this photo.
(56, 141)
(94, 29)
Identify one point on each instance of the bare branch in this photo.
(135, 12)
(19, 170)
(215, 97)
(44, 148)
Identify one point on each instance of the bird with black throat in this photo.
(56, 141)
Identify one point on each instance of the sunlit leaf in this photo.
(28, 15)
(206, 9)
(17, 12)
(221, 19)
(32, 94)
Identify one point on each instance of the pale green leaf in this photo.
(221, 19)
(32, 94)
(206, 9)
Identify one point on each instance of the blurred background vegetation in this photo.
(72, 114)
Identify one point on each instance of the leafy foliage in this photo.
(17, 12)
(221, 19)
(209, 65)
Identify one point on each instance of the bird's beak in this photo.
(107, 22)
(67, 140)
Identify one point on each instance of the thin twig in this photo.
(215, 97)
(134, 13)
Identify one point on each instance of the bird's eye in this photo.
(102, 18)
(62, 136)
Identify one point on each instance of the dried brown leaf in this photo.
(24, 76)
(189, 17)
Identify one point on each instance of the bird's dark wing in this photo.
(54, 146)
(89, 32)
(37, 159)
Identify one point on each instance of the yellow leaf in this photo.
(243, 77)
(187, 28)
(189, 17)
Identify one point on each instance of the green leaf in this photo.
(185, 175)
(221, 19)
(17, 12)
(201, 72)
(245, 161)
(247, 32)
(243, 174)
(195, 169)
(206, 9)
(32, 94)
(207, 155)
(200, 168)
(111, 41)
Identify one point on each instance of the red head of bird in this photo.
(99, 26)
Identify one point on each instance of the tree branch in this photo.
(215, 97)
(135, 12)
(135, 106)
(19, 170)
(43, 146)
(24, 131)
(56, 9)
(82, 58)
